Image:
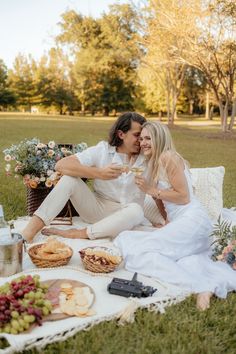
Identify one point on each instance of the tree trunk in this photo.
(232, 119)
(221, 107)
(173, 110)
(211, 113)
(191, 102)
(106, 111)
(207, 116)
(83, 108)
(168, 106)
(224, 115)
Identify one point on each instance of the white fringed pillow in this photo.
(208, 188)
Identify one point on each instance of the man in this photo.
(116, 203)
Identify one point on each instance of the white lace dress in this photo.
(178, 253)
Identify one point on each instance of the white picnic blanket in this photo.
(107, 306)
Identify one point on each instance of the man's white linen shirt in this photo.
(122, 189)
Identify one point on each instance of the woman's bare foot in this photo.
(48, 231)
(203, 300)
(70, 233)
(157, 225)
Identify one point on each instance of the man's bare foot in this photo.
(32, 228)
(203, 300)
(70, 233)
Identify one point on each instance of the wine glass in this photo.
(137, 171)
(121, 161)
(126, 162)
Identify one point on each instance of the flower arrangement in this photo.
(224, 242)
(229, 254)
(35, 161)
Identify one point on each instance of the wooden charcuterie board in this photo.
(57, 283)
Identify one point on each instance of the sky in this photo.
(28, 26)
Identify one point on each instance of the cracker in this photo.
(81, 310)
(81, 300)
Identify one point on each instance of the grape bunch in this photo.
(22, 303)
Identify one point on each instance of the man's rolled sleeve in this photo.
(87, 157)
(92, 156)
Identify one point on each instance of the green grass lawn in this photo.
(182, 329)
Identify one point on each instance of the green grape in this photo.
(25, 302)
(31, 295)
(14, 314)
(32, 318)
(27, 318)
(48, 304)
(38, 295)
(26, 325)
(15, 324)
(44, 287)
(21, 322)
(45, 311)
(13, 331)
(21, 329)
(39, 302)
(6, 328)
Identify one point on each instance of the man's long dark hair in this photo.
(123, 123)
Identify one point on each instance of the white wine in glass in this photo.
(137, 171)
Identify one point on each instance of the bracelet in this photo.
(159, 194)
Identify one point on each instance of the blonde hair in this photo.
(163, 149)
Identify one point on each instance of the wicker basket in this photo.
(94, 266)
(46, 263)
(35, 197)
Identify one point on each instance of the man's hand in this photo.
(110, 172)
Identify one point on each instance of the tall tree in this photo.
(165, 20)
(194, 89)
(211, 47)
(153, 89)
(22, 80)
(54, 83)
(106, 56)
(6, 95)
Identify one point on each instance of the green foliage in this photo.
(22, 80)
(106, 57)
(54, 82)
(7, 97)
(223, 233)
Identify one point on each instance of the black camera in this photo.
(130, 288)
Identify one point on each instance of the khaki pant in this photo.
(108, 218)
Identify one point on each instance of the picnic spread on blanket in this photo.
(49, 301)
(55, 287)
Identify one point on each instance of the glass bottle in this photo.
(5, 230)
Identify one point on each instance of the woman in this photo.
(178, 252)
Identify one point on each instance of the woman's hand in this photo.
(143, 185)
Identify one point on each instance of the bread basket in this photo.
(45, 262)
(100, 259)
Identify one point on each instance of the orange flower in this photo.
(48, 183)
(33, 184)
